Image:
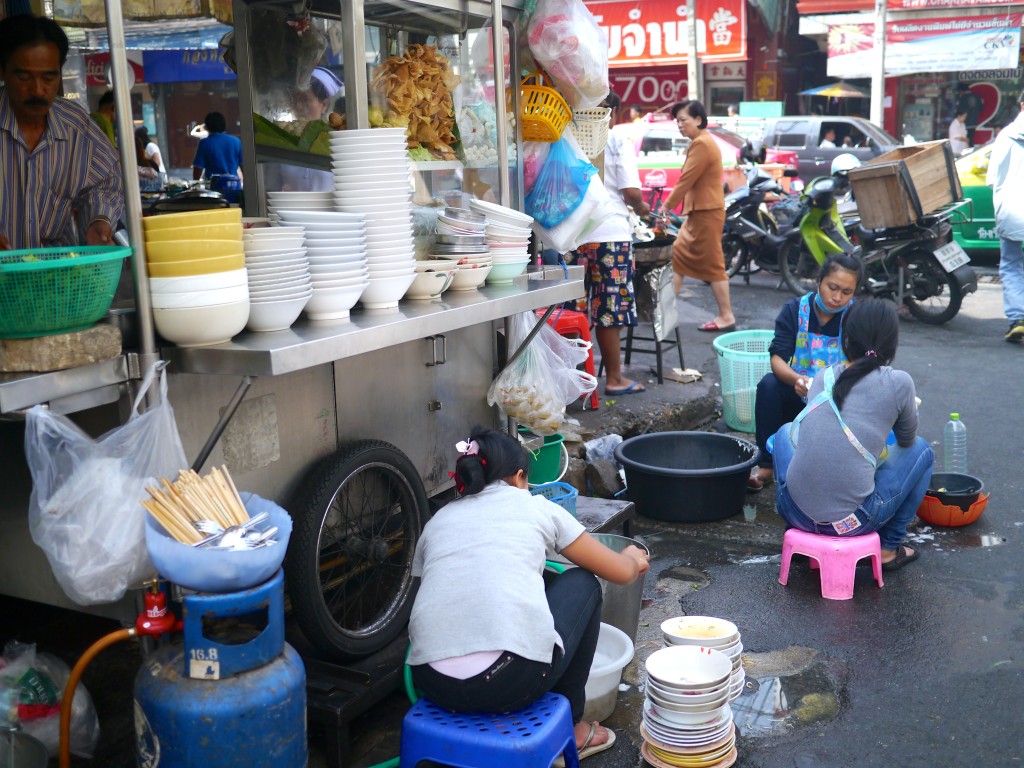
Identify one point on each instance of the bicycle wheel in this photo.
(798, 267)
(932, 295)
(349, 564)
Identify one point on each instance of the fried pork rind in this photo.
(417, 88)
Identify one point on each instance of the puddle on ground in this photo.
(952, 539)
(773, 705)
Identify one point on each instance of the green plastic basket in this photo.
(44, 291)
(743, 360)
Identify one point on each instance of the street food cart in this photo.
(283, 410)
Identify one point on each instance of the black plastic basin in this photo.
(956, 490)
(687, 477)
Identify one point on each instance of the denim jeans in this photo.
(775, 404)
(512, 682)
(900, 485)
(1011, 274)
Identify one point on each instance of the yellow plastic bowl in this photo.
(204, 232)
(196, 266)
(193, 219)
(187, 250)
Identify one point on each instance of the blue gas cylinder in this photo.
(233, 693)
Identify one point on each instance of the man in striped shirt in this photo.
(58, 172)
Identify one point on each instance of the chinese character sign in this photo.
(654, 31)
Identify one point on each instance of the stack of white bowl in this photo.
(297, 201)
(279, 282)
(459, 237)
(197, 275)
(710, 632)
(336, 252)
(371, 177)
(687, 720)
(508, 238)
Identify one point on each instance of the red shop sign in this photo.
(654, 31)
(96, 67)
(649, 88)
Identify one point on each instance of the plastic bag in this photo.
(84, 512)
(567, 43)
(535, 154)
(560, 186)
(32, 684)
(535, 389)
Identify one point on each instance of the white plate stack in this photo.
(279, 280)
(371, 177)
(710, 632)
(297, 201)
(508, 238)
(687, 720)
(336, 251)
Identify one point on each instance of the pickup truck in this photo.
(804, 135)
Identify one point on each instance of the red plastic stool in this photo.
(836, 557)
(572, 324)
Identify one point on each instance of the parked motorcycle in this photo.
(750, 237)
(917, 265)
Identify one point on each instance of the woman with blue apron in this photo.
(807, 340)
(836, 475)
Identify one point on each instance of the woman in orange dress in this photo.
(697, 252)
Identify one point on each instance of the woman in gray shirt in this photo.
(836, 476)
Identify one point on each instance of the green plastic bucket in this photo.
(545, 457)
(743, 360)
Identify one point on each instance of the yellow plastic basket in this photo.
(590, 127)
(544, 112)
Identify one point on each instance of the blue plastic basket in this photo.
(563, 494)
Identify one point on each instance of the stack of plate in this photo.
(197, 275)
(710, 632)
(297, 201)
(336, 251)
(371, 177)
(508, 238)
(687, 720)
(279, 282)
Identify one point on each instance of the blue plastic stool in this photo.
(530, 738)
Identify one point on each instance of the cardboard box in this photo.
(898, 188)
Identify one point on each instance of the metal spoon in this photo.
(237, 531)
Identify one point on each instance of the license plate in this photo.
(951, 256)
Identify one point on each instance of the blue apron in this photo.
(814, 351)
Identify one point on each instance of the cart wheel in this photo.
(349, 563)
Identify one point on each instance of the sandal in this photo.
(757, 483)
(903, 556)
(589, 749)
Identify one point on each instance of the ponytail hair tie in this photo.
(871, 353)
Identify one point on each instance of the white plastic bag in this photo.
(32, 684)
(566, 41)
(535, 389)
(84, 512)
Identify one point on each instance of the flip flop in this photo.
(712, 327)
(588, 749)
(756, 483)
(903, 556)
(632, 389)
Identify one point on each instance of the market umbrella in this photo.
(837, 90)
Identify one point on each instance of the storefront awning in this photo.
(177, 34)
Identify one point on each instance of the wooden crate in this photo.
(898, 188)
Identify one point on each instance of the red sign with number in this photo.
(654, 31)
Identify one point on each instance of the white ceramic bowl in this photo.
(709, 631)
(516, 240)
(291, 282)
(210, 282)
(467, 278)
(201, 326)
(395, 179)
(376, 233)
(500, 214)
(274, 244)
(279, 294)
(255, 222)
(477, 228)
(689, 667)
(430, 285)
(292, 258)
(506, 273)
(200, 298)
(445, 229)
(683, 697)
(276, 315)
(358, 265)
(343, 282)
(333, 303)
(434, 264)
(295, 196)
(278, 231)
(385, 293)
(348, 260)
(296, 217)
(393, 219)
(377, 273)
(322, 245)
(261, 269)
(684, 718)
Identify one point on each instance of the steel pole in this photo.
(878, 72)
(694, 67)
(501, 134)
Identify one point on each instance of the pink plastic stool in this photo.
(837, 558)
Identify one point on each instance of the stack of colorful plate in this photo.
(710, 632)
(336, 251)
(687, 720)
(279, 281)
(508, 238)
(371, 177)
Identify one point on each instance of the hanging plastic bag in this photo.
(535, 389)
(84, 512)
(560, 186)
(535, 154)
(31, 688)
(567, 43)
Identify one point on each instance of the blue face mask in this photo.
(821, 305)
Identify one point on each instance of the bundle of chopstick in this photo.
(178, 505)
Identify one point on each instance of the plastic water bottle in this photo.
(954, 445)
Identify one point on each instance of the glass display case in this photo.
(428, 65)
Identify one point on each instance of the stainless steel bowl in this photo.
(460, 239)
(452, 250)
(464, 214)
